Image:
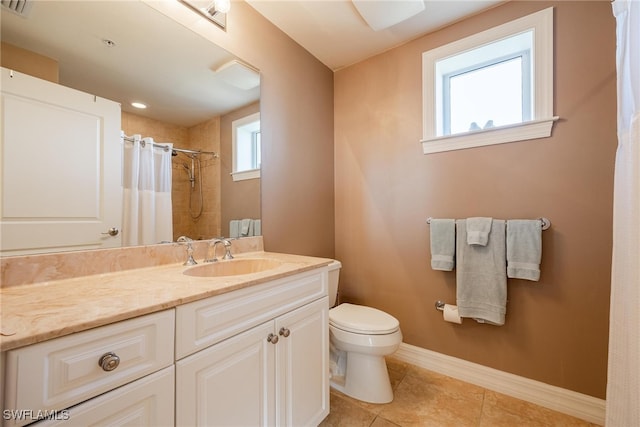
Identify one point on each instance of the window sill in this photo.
(248, 174)
(498, 135)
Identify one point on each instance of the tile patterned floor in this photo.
(425, 398)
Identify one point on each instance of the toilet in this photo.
(360, 338)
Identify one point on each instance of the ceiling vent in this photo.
(19, 7)
(239, 74)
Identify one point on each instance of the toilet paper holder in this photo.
(440, 305)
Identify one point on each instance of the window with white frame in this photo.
(490, 88)
(246, 147)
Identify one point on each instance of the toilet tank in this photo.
(334, 276)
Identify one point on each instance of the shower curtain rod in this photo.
(167, 148)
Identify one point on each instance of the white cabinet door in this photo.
(302, 380)
(60, 168)
(147, 402)
(229, 384)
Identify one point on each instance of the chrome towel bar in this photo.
(544, 222)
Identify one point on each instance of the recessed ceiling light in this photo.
(139, 105)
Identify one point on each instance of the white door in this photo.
(60, 168)
(230, 383)
(302, 380)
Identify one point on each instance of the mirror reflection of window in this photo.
(246, 147)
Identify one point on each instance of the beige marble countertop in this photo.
(37, 312)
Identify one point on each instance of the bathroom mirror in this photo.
(127, 51)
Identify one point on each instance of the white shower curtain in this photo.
(623, 382)
(147, 214)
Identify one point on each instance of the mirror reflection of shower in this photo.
(194, 172)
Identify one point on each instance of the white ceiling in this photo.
(335, 33)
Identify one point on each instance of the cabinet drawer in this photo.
(206, 322)
(147, 402)
(62, 372)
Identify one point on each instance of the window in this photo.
(246, 147)
(490, 88)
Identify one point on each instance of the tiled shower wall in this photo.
(205, 137)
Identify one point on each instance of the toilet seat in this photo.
(360, 319)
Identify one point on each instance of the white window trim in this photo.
(245, 174)
(248, 174)
(540, 127)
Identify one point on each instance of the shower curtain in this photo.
(623, 381)
(147, 215)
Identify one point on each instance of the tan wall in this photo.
(296, 102)
(28, 62)
(240, 199)
(556, 330)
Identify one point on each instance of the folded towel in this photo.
(443, 244)
(481, 279)
(478, 229)
(234, 228)
(246, 227)
(524, 249)
(257, 227)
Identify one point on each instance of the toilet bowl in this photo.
(360, 338)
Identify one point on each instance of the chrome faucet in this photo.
(211, 251)
(227, 247)
(184, 240)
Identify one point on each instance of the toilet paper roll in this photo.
(450, 314)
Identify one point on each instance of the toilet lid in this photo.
(363, 320)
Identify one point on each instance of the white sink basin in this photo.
(234, 267)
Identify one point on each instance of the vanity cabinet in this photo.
(256, 355)
(50, 377)
(266, 362)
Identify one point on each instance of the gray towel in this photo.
(478, 229)
(234, 228)
(481, 278)
(257, 227)
(246, 227)
(443, 244)
(524, 249)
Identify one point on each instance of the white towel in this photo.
(481, 277)
(443, 244)
(234, 228)
(524, 249)
(478, 229)
(257, 227)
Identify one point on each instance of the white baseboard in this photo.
(562, 400)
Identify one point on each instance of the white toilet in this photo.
(360, 339)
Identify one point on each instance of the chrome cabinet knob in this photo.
(113, 231)
(284, 332)
(109, 361)
(273, 339)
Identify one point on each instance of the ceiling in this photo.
(154, 59)
(149, 62)
(335, 32)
